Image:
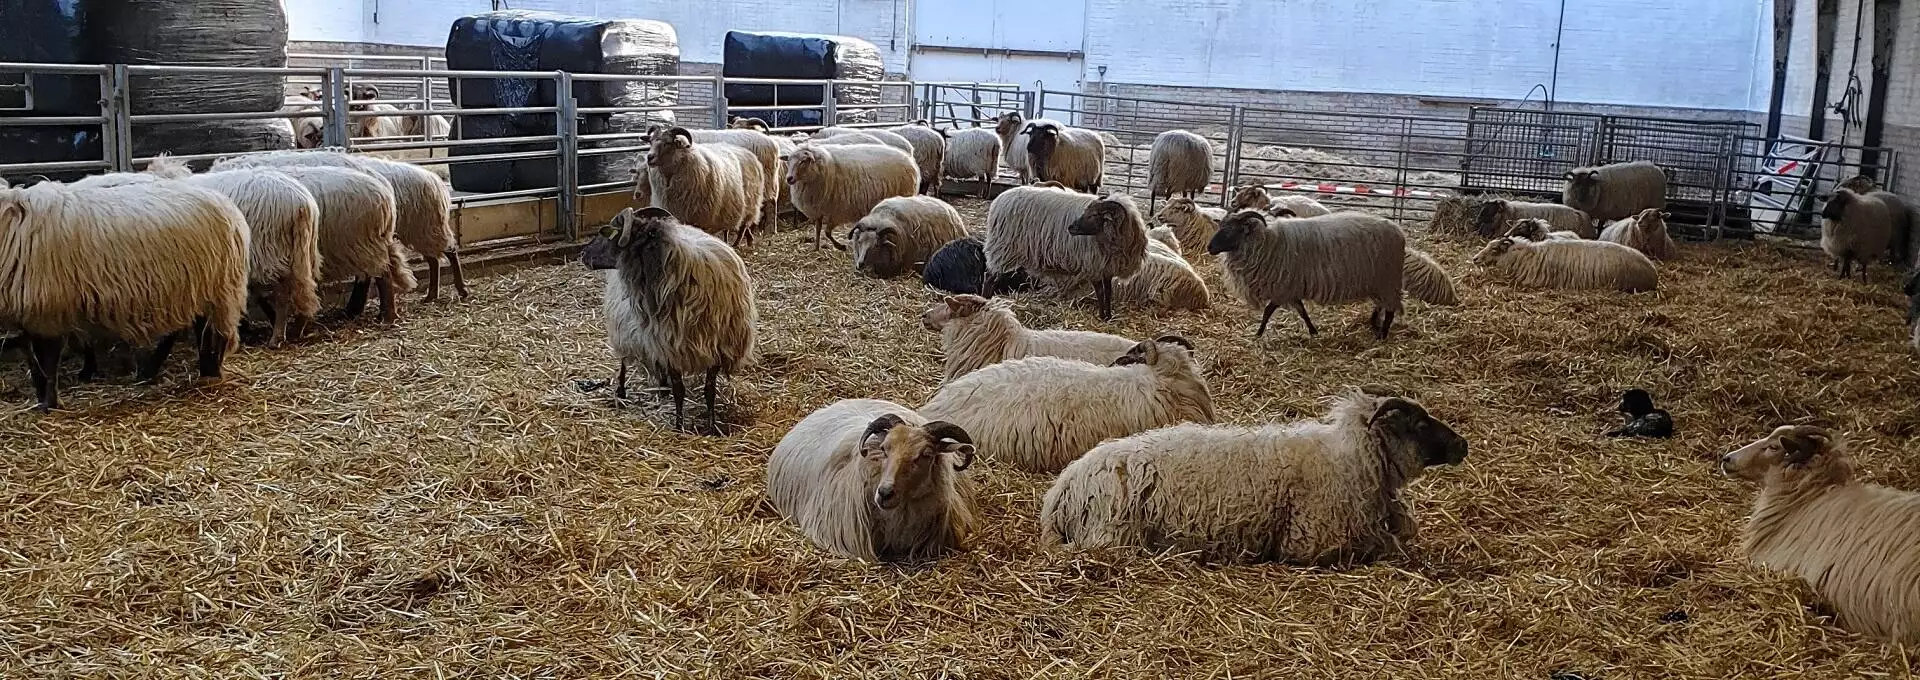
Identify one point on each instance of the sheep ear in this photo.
(1803, 444)
(1391, 406)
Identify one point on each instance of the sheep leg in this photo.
(620, 385)
(1265, 317)
(1300, 307)
(713, 375)
(459, 276)
(1104, 290)
(989, 283)
(433, 279)
(1384, 324)
(213, 348)
(1844, 266)
(89, 362)
(679, 402)
(43, 365)
(830, 239)
(389, 304)
(357, 299)
(1863, 272)
(276, 319)
(157, 360)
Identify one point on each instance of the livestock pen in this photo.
(455, 495)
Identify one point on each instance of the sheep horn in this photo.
(1175, 340)
(652, 212)
(881, 425)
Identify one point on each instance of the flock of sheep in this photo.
(1127, 426)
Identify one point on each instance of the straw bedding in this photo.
(441, 498)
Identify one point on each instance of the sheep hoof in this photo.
(431, 298)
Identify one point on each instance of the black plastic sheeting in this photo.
(61, 143)
(542, 173)
(48, 32)
(193, 33)
(748, 54)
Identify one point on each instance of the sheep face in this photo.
(954, 307)
(1531, 229)
(1042, 139)
(906, 460)
(1650, 218)
(363, 93)
(1836, 207)
(1176, 211)
(1583, 186)
(1008, 123)
(1492, 215)
(802, 162)
(1789, 451)
(1416, 434)
(876, 249)
(669, 145)
(1250, 197)
(1494, 250)
(1104, 215)
(1234, 230)
(1636, 402)
(749, 124)
(629, 237)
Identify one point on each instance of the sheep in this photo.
(1500, 212)
(901, 233)
(1536, 229)
(1570, 264)
(309, 132)
(1426, 281)
(677, 300)
(961, 265)
(1070, 156)
(1040, 413)
(1343, 257)
(976, 332)
(835, 185)
(783, 147)
(767, 151)
(1165, 278)
(865, 136)
(1011, 127)
(1646, 232)
(873, 480)
(1909, 286)
(1255, 197)
(711, 185)
(283, 259)
(973, 154)
(1610, 192)
(1179, 163)
(1032, 228)
(423, 206)
(1855, 228)
(354, 234)
(1852, 542)
(1192, 224)
(929, 150)
(140, 263)
(1900, 244)
(374, 127)
(1318, 492)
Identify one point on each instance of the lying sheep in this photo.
(835, 185)
(1855, 229)
(677, 301)
(1536, 229)
(1179, 163)
(929, 152)
(873, 480)
(1426, 281)
(1570, 264)
(1319, 492)
(1070, 156)
(1033, 228)
(1193, 225)
(141, 263)
(1900, 245)
(354, 234)
(960, 267)
(1498, 213)
(1040, 413)
(309, 132)
(1852, 542)
(973, 154)
(1610, 192)
(1645, 232)
(976, 332)
(423, 205)
(901, 233)
(1343, 257)
(1165, 279)
(711, 185)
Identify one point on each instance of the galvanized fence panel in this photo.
(1129, 125)
(1394, 164)
(1779, 184)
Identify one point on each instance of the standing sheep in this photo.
(973, 154)
(140, 262)
(1855, 229)
(1901, 244)
(1193, 225)
(1343, 257)
(677, 300)
(1853, 543)
(354, 234)
(713, 186)
(783, 148)
(960, 267)
(1165, 278)
(1499, 213)
(901, 233)
(863, 136)
(1646, 232)
(1321, 492)
(1033, 228)
(1071, 156)
(1011, 127)
(1570, 264)
(1536, 229)
(929, 153)
(873, 480)
(1039, 414)
(1179, 163)
(283, 260)
(976, 332)
(835, 185)
(1610, 192)
(768, 151)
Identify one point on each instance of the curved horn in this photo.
(881, 425)
(1175, 340)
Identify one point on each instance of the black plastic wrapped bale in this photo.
(222, 136)
(197, 33)
(47, 32)
(541, 173)
(749, 54)
(515, 40)
(50, 144)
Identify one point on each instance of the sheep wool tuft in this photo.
(976, 332)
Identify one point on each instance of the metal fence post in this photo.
(116, 129)
(1236, 124)
(335, 109)
(829, 105)
(913, 106)
(567, 127)
(720, 102)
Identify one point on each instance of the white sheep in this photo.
(1165, 278)
(873, 480)
(973, 154)
(711, 185)
(1255, 197)
(283, 260)
(1192, 225)
(1852, 542)
(1645, 232)
(141, 263)
(1426, 281)
(309, 132)
(929, 152)
(1899, 210)
(1071, 156)
(976, 332)
(1180, 163)
(835, 185)
(1040, 413)
(768, 151)
(678, 301)
(1537, 229)
(423, 205)
(1034, 228)
(1499, 213)
(888, 138)
(1570, 264)
(1011, 127)
(1322, 492)
(901, 233)
(1855, 228)
(354, 234)
(783, 147)
(1610, 192)
(1342, 257)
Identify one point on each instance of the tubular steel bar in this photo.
(567, 126)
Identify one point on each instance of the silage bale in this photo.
(198, 33)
